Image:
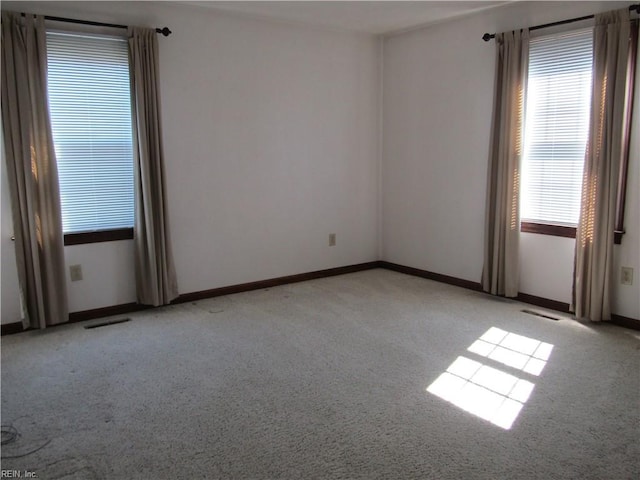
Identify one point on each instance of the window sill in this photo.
(548, 229)
(98, 236)
(559, 230)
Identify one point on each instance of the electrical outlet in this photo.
(332, 239)
(626, 276)
(76, 272)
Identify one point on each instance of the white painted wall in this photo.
(283, 151)
(10, 293)
(438, 90)
(626, 298)
(270, 136)
(108, 275)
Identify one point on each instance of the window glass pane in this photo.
(556, 127)
(90, 105)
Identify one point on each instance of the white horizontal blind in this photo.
(556, 127)
(90, 105)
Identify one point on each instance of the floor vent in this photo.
(539, 314)
(108, 322)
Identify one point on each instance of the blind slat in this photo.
(90, 106)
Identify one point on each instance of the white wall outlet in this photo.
(76, 272)
(332, 239)
(626, 276)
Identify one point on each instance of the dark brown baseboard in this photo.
(555, 305)
(274, 282)
(626, 322)
(123, 309)
(74, 317)
(438, 277)
(618, 320)
(11, 328)
(543, 302)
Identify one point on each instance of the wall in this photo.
(10, 293)
(270, 136)
(438, 90)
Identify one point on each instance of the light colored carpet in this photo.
(324, 379)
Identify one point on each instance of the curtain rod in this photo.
(164, 31)
(488, 36)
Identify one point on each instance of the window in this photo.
(90, 107)
(556, 130)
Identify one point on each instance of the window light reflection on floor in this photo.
(487, 392)
(517, 351)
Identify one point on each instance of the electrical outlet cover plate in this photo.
(626, 276)
(75, 272)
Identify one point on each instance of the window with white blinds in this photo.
(90, 105)
(556, 127)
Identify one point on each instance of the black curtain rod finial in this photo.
(487, 36)
(164, 31)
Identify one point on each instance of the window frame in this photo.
(98, 236)
(563, 230)
(548, 229)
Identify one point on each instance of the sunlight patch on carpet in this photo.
(517, 351)
(487, 392)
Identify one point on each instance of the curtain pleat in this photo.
(502, 216)
(595, 234)
(156, 282)
(32, 171)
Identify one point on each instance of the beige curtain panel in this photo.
(155, 272)
(32, 171)
(608, 132)
(502, 218)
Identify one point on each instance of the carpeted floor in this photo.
(326, 379)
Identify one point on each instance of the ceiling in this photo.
(377, 17)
